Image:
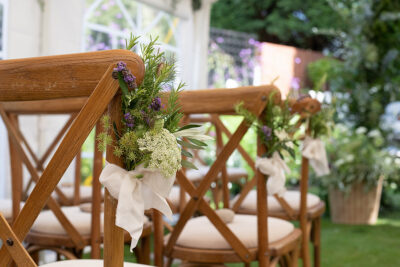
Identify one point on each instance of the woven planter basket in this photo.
(356, 207)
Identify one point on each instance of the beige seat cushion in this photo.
(291, 197)
(86, 263)
(6, 207)
(85, 192)
(174, 196)
(234, 173)
(47, 222)
(201, 233)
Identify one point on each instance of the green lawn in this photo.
(356, 246)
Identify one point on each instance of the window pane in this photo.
(96, 41)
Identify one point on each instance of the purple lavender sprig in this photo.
(267, 132)
(155, 104)
(129, 120)
(128, 77)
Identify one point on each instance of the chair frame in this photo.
(222, 101)
(75, 76)
(309, 218)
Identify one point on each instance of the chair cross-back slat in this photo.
(14, 246)
(204, 207)
(71, 144)
(197, 195)
(17, 139)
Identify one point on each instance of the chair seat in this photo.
(174, 196)
(6, 208)
(249, 204)
(200, 233)
(86, 263)
(234, 173)
(85, 193)
(47, 223)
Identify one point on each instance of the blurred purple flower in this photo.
(297, 60)
(295, 84)
(129, 120)
(220, 40)
(118, 16)
(267, 132)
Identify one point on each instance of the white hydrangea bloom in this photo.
(165, 152)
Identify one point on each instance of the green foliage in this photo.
(367, 78)
(276, 127)
(321, 123)
(355, 157)
(291, 22)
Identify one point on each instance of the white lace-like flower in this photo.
(282, 135)
(165, 152)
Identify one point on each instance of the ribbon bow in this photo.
(136, 195)
(314, 150)
(275, 168)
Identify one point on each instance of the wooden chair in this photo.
(208, 239)
(295, 205)
(59, 77)
(47, 233)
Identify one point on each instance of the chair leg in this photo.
(295, 257)
(145, 250)
(169, 262)
(316, 234)
(35, 257)
(305, 254)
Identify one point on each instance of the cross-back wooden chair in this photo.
(46, 231)
(208, 239)
(294, 205)
(59, 77)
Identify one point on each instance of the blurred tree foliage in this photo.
(290, 22)
(367, 76)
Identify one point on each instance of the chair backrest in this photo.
(220, 102)
(69, 106)
(58, 77)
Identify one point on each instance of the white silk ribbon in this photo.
(135, 195)
(314, 150)
(275, 167)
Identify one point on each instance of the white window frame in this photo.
(135, 26)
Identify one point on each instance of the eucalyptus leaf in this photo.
(186, 153)
(197, 142)
(188, 164)
(188, 145)
(189, 126)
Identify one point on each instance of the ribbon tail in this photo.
(276, 184)
(152, 200)
(130, 209)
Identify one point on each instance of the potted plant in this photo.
(358, 168)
